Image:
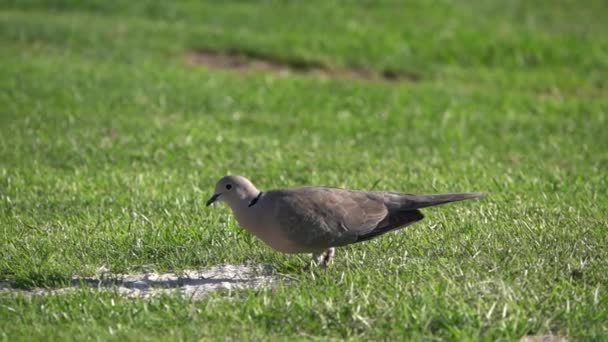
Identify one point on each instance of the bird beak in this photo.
(212, 199)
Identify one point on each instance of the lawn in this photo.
(111, 142)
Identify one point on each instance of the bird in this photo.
(317, 219)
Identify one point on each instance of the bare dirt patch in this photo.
(193, 284)
(245, 62)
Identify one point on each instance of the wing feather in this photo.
(327, 217)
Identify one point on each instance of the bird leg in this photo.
(324, 258)
(328, 256)
(317, 258)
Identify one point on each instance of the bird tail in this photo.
(423, 201)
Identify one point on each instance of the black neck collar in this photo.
(255, 200)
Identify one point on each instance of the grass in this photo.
(110, 144)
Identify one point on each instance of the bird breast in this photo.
(267, 231)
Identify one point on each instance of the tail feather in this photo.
(422, 201)
(393, 220)
(403, 210)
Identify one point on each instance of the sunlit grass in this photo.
(110, 144)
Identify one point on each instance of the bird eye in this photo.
(228, 186)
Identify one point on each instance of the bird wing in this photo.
(316, 218)
(321, 217)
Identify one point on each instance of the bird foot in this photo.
(323, 259)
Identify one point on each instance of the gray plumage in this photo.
(317, 219)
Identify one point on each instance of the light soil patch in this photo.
(245, 62)
(543, 338)
(193, 284)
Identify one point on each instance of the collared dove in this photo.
(318, 219)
